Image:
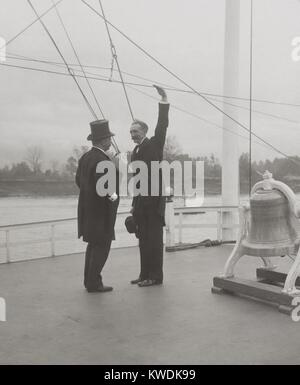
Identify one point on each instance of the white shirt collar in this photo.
(143, 140)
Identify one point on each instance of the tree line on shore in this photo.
(31, 168)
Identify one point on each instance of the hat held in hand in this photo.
(131, 225)
(99, 130)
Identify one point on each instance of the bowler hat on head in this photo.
(99, 130)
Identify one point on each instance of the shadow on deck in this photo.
(52, 320)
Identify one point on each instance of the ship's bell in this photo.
(273, 229)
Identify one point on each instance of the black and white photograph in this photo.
(149, 185)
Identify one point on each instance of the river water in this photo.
(19, 210)
(16, 210)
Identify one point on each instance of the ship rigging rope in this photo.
(148, 95)
(192, 91)
(199, 117)
(170, 88)
(189, 86)
(29, 25)
(130, 86)
(78, 60)
(115, 59)
(166, 86)
(61, 55)
(111, 69)
(256, 111)
(250, 96)
(89, 85)
(95, 77)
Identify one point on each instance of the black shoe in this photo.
(149, 282)
(135, 281)
(100, 289)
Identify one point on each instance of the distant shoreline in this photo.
(23, 188)
(53, 188)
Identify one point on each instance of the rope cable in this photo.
(66, 64)
(77, 57)
(170, 88)
(73, 75)
(131, 87)
(256, 111)
(250, 96)
(29, 25)
(95, 77)
(112, 68)
(197, 116)
(129, 84)
(115, 58)
(186, 84)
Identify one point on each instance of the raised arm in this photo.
(162, 93)
(163, 119)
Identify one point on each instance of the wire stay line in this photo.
(130, 85)
(115, 58)
(94, 77)
(32, 23)
(196, 116)
(167, 86)
(187, 85)
(77, 58)
(257, 111)
(97, 77)
(64, 60)
(250, 97)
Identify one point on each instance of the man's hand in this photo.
(161, 92)
(113, 197)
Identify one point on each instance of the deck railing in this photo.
(172, 213)
(52, 238)
(184, 211)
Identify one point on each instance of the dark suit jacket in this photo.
(152, 150)
(96, 214)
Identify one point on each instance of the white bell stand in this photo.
(258, 289)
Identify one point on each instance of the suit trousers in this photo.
(95, 258)
(150, 234)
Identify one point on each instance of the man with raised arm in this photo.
(148, 211)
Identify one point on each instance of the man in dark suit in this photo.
(148, 211)
(96, 214)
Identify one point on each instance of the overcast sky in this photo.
(186, 36)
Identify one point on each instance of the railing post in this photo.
(219, 223)
(180, 228)
(170, 223)
(53, 240)
(7, 247)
